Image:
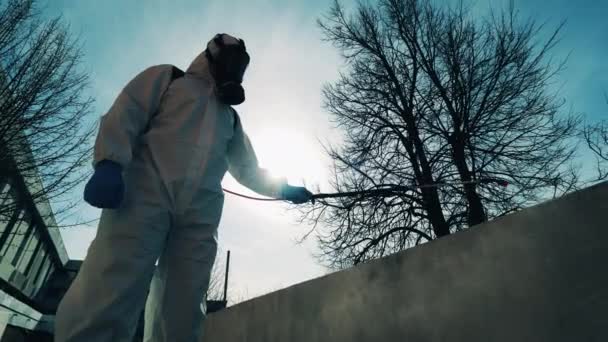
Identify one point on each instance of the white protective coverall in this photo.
(174, 154)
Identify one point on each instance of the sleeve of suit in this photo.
(243, 166)
(130, 114)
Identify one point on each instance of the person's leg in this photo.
(173, 310)
(106, 298)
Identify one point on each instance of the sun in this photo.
(289, 153)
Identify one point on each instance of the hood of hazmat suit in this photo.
(175, 139)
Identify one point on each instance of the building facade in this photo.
(35, 270)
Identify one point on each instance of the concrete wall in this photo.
(538, 275)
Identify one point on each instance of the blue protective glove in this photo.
(295, 194)
(106, 188)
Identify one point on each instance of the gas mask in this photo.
(228, 60)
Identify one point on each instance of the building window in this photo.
(7, 219)
(42, 270)
(8, 234)
(37, 250)
(4, 193)
(47, 273)
(42, 260)
(28, 251)
(17, 235)
(25, 239)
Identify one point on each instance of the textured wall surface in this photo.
(537, 275)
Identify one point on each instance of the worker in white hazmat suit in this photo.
(160, 155)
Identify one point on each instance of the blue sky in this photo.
(283, 112)
(585, 38)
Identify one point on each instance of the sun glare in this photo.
(288, 153)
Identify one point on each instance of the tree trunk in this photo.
(429, 195)
(476, 213)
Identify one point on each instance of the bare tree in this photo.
(596, 137)
(44, 141)
(438, 108)
(216, 282)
